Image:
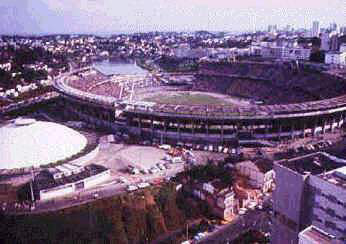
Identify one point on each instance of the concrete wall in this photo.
(96, 179)
(71, 187)
(288, 199)
(57, 192)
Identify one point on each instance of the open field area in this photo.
(119, 156)
(191, 98)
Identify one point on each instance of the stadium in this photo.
(220, 104)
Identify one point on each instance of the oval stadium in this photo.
(221, 103)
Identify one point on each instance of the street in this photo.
(107, 189)
(252, 219)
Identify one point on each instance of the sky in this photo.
(116, 16)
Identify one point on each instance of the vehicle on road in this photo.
(154, 170)
(143, 185)
(176, 160)
(242, 211)
(144, 171)
(199, 236)
(123, 179)
(131, 188)
(165, 147)
(161, 166)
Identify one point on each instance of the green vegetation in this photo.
(173, 64)
(185, 98)
(209, 172)
(131, 218)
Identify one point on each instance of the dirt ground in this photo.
(119, 156)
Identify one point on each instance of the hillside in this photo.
(132, 218)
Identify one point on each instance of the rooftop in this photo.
(336, 177)
(318, 236)
(26, 142)
(45, 180)
(315, 163)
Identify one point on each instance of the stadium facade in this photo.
(320, 110)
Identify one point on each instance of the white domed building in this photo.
(27, 142)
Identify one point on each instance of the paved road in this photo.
(253, 219)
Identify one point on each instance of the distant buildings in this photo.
(333, 27)
(315, 29)
(272, 50)
(310, 191)
(185, 51)
(272, 28)
(343, 30)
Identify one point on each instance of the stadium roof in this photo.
(27, 142)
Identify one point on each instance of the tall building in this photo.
(315, 29)
(334, 42)
(310, 191)
(288, 28)
(343, 30)
(272, 28)
(325, 41)
(333, 27)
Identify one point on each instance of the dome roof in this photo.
(27, 142)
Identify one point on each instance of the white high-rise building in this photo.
(315, 29)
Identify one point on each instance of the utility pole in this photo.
(32, 190)
(187, 232)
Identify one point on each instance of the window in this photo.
(330, 225)
(330, 212)
(316, 218)
(332, 198)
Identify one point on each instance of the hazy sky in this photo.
(109, 16)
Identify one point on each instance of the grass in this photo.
(188, 99)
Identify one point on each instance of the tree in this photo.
(317, 57)
(155, 222)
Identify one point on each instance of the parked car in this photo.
(131, 188)
(161, 166)
(144, 171)
(123, 179)
(177, 160)
(135, 171)
(154, 170)
(143, 185)
(165, 147)
(167, 166)
(167, 157)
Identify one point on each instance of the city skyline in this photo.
(107, 17)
